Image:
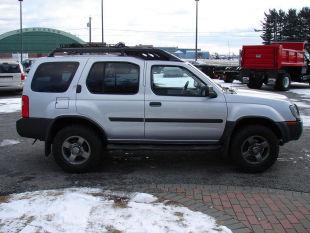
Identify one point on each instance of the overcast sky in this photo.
(224, 25)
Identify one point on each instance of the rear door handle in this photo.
(155, 104)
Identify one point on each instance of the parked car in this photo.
(145, 98)
(12, 76)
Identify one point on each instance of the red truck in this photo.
(277, 64)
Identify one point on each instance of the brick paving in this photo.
(242, 209)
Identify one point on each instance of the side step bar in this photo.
(164, 147)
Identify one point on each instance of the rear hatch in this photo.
(10, 74)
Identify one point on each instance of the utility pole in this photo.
(89, 26)
(102, 28)
(21, 29)
(196, 42)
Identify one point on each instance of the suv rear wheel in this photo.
(254, 148)
(77, 149)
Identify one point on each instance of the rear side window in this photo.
(7, 68)
(54, 77)
(113, 78)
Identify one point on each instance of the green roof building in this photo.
(36, 41)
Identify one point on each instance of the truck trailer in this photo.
(278, 64)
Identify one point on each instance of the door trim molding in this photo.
(181, 120)
(165, 120)
(125, 119)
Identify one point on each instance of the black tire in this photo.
(255, 82)
(92, 146)
(283, 82)
(244, 155)
(228, 79)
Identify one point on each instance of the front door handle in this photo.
(155, 104)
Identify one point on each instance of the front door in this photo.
(176, 109)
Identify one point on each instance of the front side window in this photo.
(54, 77)
(113, 78)
(175, 81)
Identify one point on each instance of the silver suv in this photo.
(135, 97)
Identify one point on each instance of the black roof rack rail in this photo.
(142, 52)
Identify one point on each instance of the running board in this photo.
(164, 147)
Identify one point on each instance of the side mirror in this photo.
(209, 92)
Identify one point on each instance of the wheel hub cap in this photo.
(255, 149)
(76, 149)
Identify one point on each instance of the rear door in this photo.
(112, 95)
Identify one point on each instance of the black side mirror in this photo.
(208, 91)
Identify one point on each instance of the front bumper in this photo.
(290, 130)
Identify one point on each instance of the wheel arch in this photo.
(232, 128)
(63, 121)
(265, 121)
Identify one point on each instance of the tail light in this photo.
(25, 106)
(22, 77)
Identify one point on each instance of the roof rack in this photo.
(142, 52)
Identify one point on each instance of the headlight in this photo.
(295, 111)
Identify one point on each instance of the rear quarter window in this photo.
(54, 77)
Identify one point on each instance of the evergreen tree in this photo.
(291, 30)
(280, 25)
(267, 32)
(286, 26)
(304, 16)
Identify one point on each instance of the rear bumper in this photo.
(11, 87)
(36, 128)
(290, 130)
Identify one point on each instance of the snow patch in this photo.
(306, 120)
(9, 142)
(303, 92)
(301, 104)
(93, 210)
(10, 105)
(143, 198)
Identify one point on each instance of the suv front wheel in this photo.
(77, 149)
(254, 148)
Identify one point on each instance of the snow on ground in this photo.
(305, 92)
(93, 210)
(300, 103)
(10, 105)
(306, 120)
(8, 142)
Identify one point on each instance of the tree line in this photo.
(292, 25)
